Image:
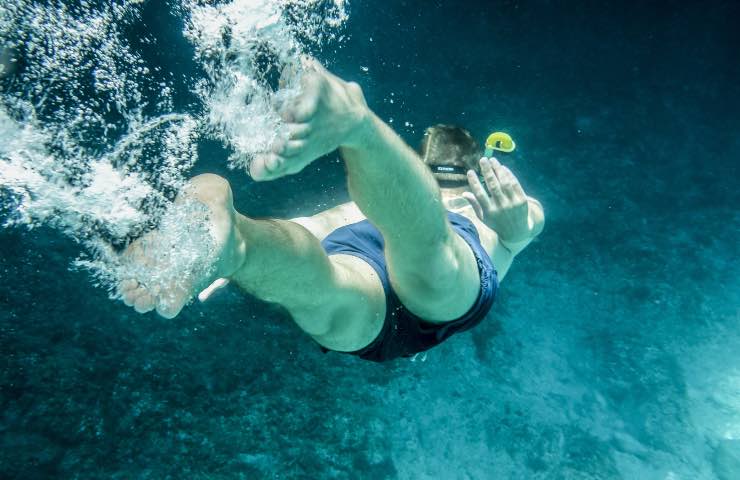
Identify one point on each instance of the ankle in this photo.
(234, 255)
(360, 119)
(361, 132)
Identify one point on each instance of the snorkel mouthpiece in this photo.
(500, 142)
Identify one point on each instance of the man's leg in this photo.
(431, 268)
(338, 300)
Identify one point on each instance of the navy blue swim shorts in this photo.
(403, 333)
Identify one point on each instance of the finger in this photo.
(494, 162)
(310, 63)
(495, 166)
(124, 293)
(487, 168)
(511, 186)
(492, 181)
(470, 197)
(479, 192)
(504, 175)
(500, 172)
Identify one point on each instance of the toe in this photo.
(298, 131)
(273, 163)
(128, 300)
(168, 311)
(266, 166)
(304, 110)
(293, 148)
(125, 288)
(128, 284)
(170, 306)
(144, 303)
(278, 145)
(257, 168)
(130, 296)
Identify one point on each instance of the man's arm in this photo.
(513, 218)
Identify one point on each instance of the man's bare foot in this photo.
(167, 267)
(327, 114)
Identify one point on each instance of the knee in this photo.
(210, 188)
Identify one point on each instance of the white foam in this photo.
(62, 156)
(179, 255)
(77, 151)
(229, 41)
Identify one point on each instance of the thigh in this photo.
(356, 311)
(440, 286)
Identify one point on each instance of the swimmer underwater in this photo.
(416, 257)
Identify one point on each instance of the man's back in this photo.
(326, 221)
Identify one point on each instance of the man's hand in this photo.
(506, 209)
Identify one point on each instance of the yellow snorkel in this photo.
(500, 142)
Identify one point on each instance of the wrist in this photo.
(516, 243)
(513, 247)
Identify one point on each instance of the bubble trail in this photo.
(89, 144)
(251, 51)
(82, 149)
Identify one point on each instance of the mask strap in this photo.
(448, 169)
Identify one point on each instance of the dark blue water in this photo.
(612, 351)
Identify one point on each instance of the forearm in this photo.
(503, 255)
(392, 186)
(536, 222)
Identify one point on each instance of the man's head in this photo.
(450, 152)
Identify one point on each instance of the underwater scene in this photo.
(612, 350)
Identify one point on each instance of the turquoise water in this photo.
(612, 352)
